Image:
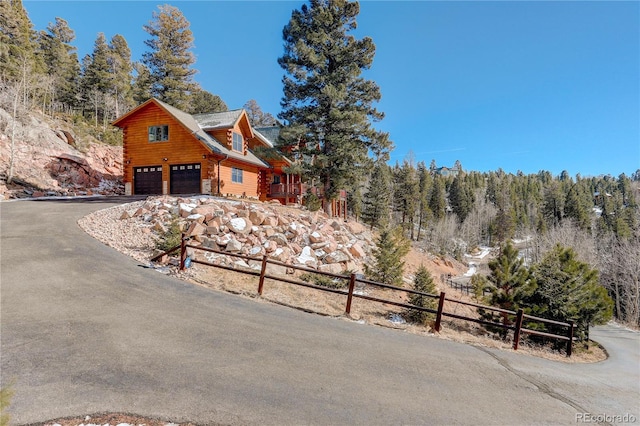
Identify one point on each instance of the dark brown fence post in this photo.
(439, 314)
(570, 342)
(183, 251)
(352, 284)
(516, 332)
(263, 270)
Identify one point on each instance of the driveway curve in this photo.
(85, 329)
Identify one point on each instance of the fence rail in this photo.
(513, 321)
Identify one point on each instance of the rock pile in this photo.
(302, 238)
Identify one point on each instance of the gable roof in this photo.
(224, 120)
(190, 123)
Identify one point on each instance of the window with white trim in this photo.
(238, 144)
(158, 133)
(236, 175)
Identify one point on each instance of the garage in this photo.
(147, 180)
(185, 178)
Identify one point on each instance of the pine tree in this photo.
(509, 283)
(568, 289)
(424, 187)
(142, 88)
(96, 77)
(460, 198)
(17, 40)
(121, 69)
(202, 101)
(422, 282)
(377, 198)
(327, 105)
(388, 266)
(437, 198)
(406, 193)
(61, 61)
(170, 60)
(257, 117)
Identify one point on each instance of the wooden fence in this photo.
(512, 320)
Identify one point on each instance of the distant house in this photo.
(168, 151)
(446, 171)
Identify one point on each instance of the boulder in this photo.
(337, 256)
(257, 217)
(270, 221)
(234, 246)
(334, 268)
(240, 225)
(357, 251)
(355, 227)
(306, 255)
(316, 237)
(196, 229)
(279, 239)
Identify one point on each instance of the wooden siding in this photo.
(181, 148)
(250, 186)
(225, 137)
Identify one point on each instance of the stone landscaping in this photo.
(289, 235)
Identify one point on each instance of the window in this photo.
(158, 133)
(236, 175)
(237, 142)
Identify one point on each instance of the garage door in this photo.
(147, 180)
(185, 178)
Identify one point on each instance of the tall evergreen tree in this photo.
(437, 198)
(257, 117)
(61, 61)
(142, 88)
(377, 198)
(327, 104)
(424, 187)
(406, 193)
(17, 40)
(460, 198)
(170, 60)
(121, 70)
(96, 77)
(509, 282)
(202, 101)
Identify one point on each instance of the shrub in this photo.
(312, 202)
(323, 280)
(423, 282)
(391, 248)
(171, 237)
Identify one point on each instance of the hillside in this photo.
(50, 158)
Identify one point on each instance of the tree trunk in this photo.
(13, 132)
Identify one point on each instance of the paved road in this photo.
(85, 329)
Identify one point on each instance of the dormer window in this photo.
(237, 142)
(158, 133)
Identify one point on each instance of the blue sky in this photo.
(527, 86)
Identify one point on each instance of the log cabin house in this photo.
(167, 151)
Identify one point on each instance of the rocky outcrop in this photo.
(297, 237)
(46, 160)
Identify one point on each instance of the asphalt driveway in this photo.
(85, 329)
